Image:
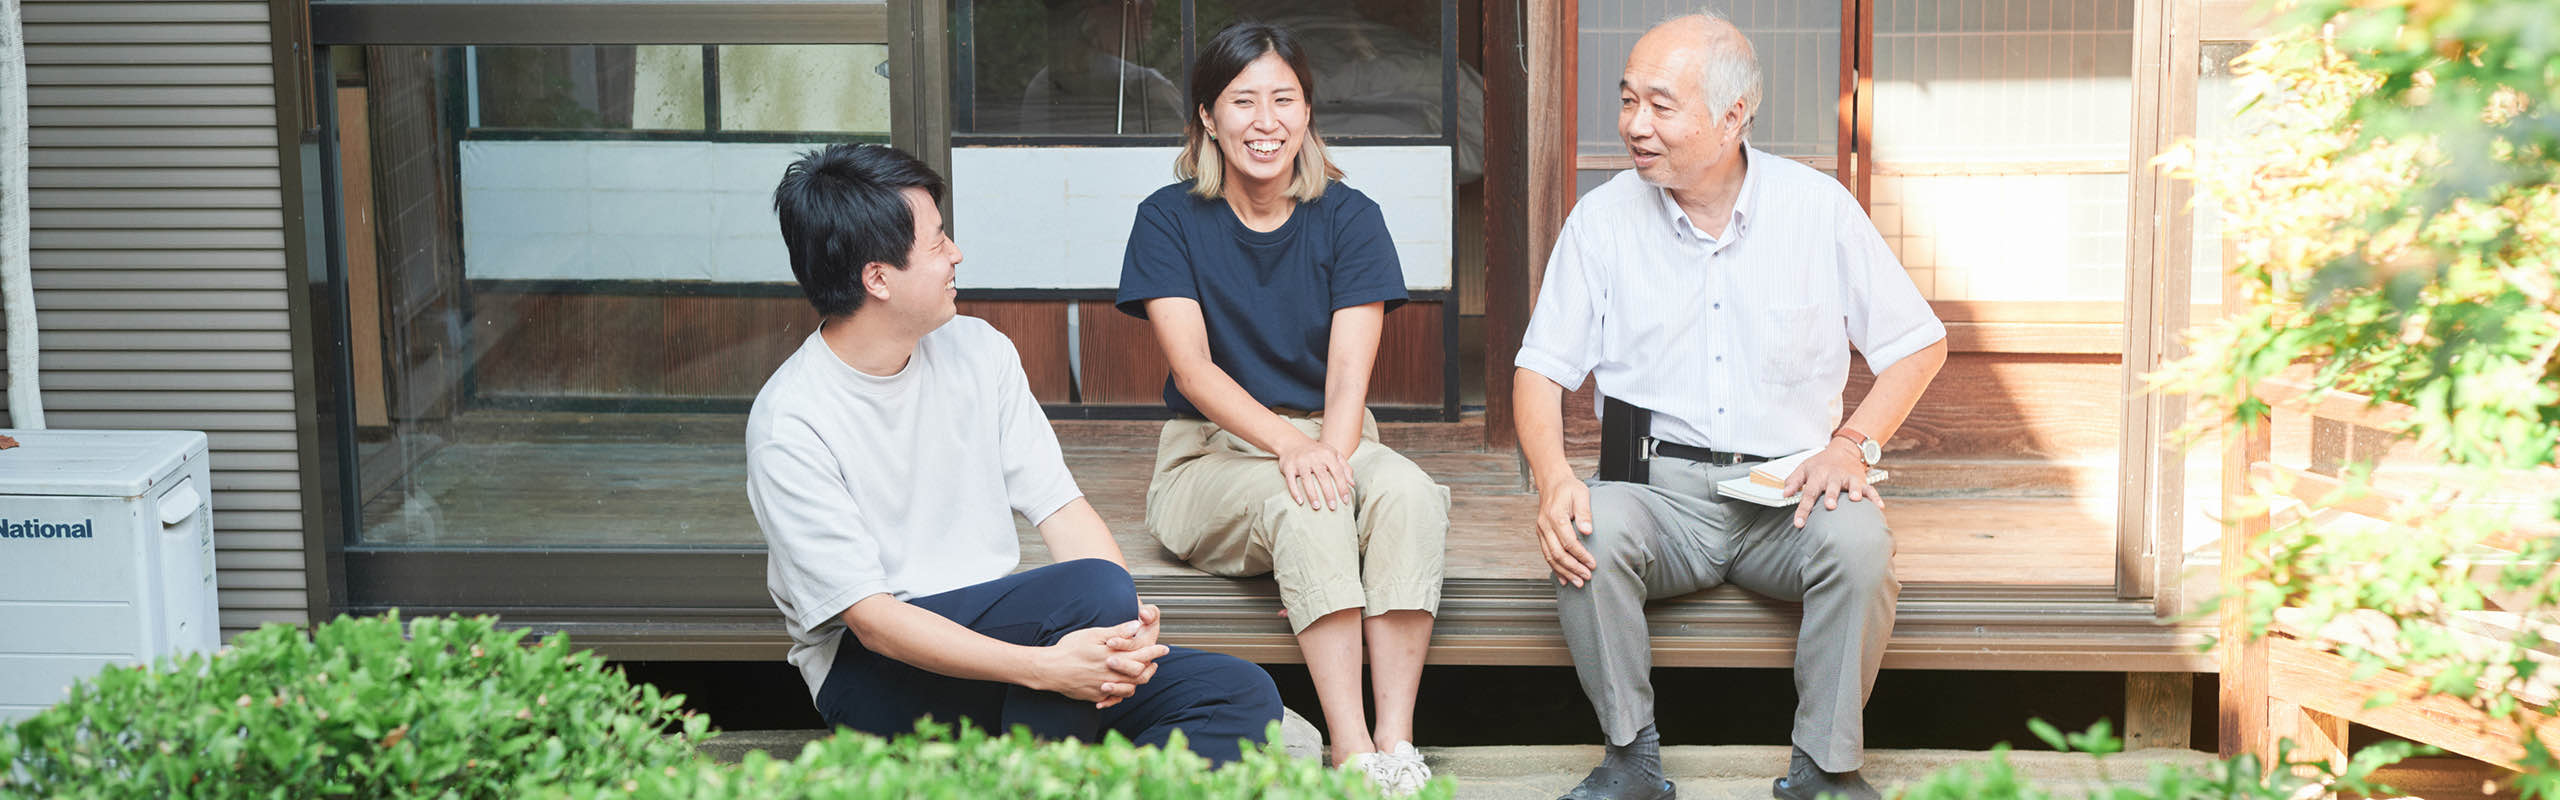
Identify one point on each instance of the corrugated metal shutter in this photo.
(159, 258)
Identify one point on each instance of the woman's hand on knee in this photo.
(1316, 474)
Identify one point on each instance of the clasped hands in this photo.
(1104, 665)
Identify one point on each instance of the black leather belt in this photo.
(1656, 447)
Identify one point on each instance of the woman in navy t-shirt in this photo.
(1267, 282)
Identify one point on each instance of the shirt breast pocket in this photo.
(1799, 343)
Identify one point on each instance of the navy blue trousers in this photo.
(1216, 700)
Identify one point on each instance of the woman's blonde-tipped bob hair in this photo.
(1220, 60)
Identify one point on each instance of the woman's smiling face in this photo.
(1260, 121)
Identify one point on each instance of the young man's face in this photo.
(924, 291)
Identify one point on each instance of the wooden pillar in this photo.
(2242, 657)
(1529, 134)
(2159, 710)
(1506, 211)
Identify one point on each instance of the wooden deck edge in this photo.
(1514, 626)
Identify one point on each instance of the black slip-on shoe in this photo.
(1619, 783)
(1841, 786)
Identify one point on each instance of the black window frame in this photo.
(962, 85)
(682, 601)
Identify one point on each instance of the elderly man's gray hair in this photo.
(1731, 71)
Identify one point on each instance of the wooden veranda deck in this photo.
(1993, 580)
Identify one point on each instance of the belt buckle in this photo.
(1646, 448)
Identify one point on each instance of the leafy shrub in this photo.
(2394, 221)
(935, 763)
(455, 708)
(2239, 778)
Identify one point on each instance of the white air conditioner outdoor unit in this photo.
(106, 557)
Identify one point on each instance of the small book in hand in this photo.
(1767, 482)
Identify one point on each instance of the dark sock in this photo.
(1643, 756)
(1800, 767)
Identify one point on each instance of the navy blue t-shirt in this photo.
(1267, 298)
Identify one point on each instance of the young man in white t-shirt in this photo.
(886, 459)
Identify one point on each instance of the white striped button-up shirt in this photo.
(1737, 343)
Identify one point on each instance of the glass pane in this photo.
(811, 88)
(1069, 67)
(1377, 65)
(560, 334)
(1798, 45)
(2001, 139)
(586, 87)
(2002, 135)
(2218, 119)
(1112, 67)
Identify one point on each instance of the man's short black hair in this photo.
(842, 208)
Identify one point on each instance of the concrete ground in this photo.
(1744, 772)
(1703, 773)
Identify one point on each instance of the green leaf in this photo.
(2045, 731)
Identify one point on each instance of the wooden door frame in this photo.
(2150, 505)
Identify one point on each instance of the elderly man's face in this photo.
(1676, 137)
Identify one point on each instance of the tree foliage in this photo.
(2395, 226)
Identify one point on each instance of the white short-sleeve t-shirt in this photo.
(903, 485)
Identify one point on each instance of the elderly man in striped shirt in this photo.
(1719, 288)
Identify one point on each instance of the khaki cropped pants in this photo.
(1220, 503)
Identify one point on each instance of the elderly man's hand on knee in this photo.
(1836, 472)
(1564, 517)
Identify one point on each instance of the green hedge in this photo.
(456, 708)
(936, 764)
(380, 707)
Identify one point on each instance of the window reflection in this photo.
(1085, 67)
(2002, 140)
(572, 283)
(588, 87)
(815, 88)
(1072, 67)
(1377, 65)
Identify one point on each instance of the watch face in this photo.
(1872, 452)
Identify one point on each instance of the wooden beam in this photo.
(1848, 103)
(2312, 487)
(2318, 680)
(2341, 406)
(2134, 454)
(1862, 146)
(364, 277)
(2002, 168)
(2027, 311)
(1507, 258)
(2316, 737)
(918, 35)
(2159, 710)
(2173, 311)
(1620, 161)
(1554, 35)
(2242, 722)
